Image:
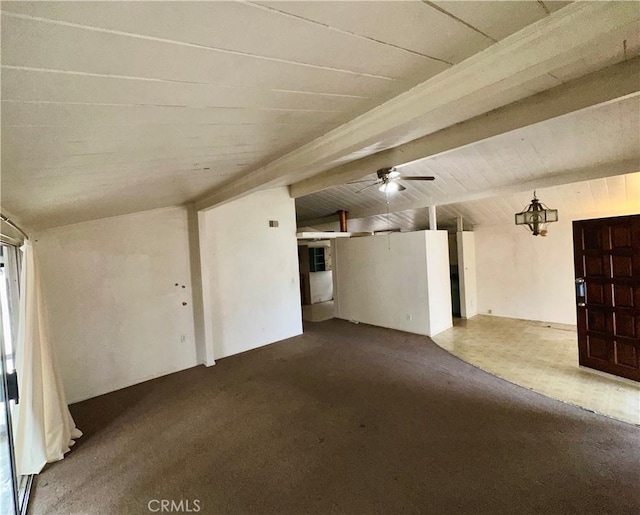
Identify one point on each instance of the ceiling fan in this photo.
(388, 178)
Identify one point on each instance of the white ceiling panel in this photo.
(554, 5)
(223, 26)
(78, 49)
(193, 166)
(425, 30)
(65, 139)
(34, 85)
(119, 153)
(495, 19)
(623, 46)
(20, 134)
(56, 142)
(32, 113)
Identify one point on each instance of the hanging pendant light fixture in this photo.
(536, 216)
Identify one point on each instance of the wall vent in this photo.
(273, 223)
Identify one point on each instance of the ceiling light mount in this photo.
(388, 173)
(536, 216)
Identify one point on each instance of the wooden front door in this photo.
(607, 266)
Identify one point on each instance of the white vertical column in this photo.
(207, 302)
(433, 223)
(334, 277)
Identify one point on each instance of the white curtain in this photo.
(43, 427)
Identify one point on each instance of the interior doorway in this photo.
(316, 280)
(454, 275)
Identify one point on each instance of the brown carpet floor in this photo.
(344, 419)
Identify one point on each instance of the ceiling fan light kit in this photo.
(387, 180)
(536, 216)
(391, 187)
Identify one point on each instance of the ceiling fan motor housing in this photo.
(384, 172)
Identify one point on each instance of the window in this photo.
(316, 259)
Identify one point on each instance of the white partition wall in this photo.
(400, 281)
(251, 286)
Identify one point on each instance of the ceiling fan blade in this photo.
(358, 182)
(401, 187)
(369, 186)
(416, 178)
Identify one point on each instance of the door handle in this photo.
(581, 296)
(12, 387)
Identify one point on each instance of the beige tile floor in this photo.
(542, 357)
(318, 312)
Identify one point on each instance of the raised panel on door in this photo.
(625, 354)
(621, 237)
(626, 324)
(596, 293)
(592, 237)
(593, 266)
(599, 321)
(621, 267)
(625, 296)
(598, 348)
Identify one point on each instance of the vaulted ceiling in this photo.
(115, 107)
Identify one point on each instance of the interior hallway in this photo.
(543, 357)
(318, 312)
(344, 419)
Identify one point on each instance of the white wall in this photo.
(250, 273)
(321, 286)
(525, 276)
(115, 312)
(389, 281)
(466, 250)
(438, 281)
